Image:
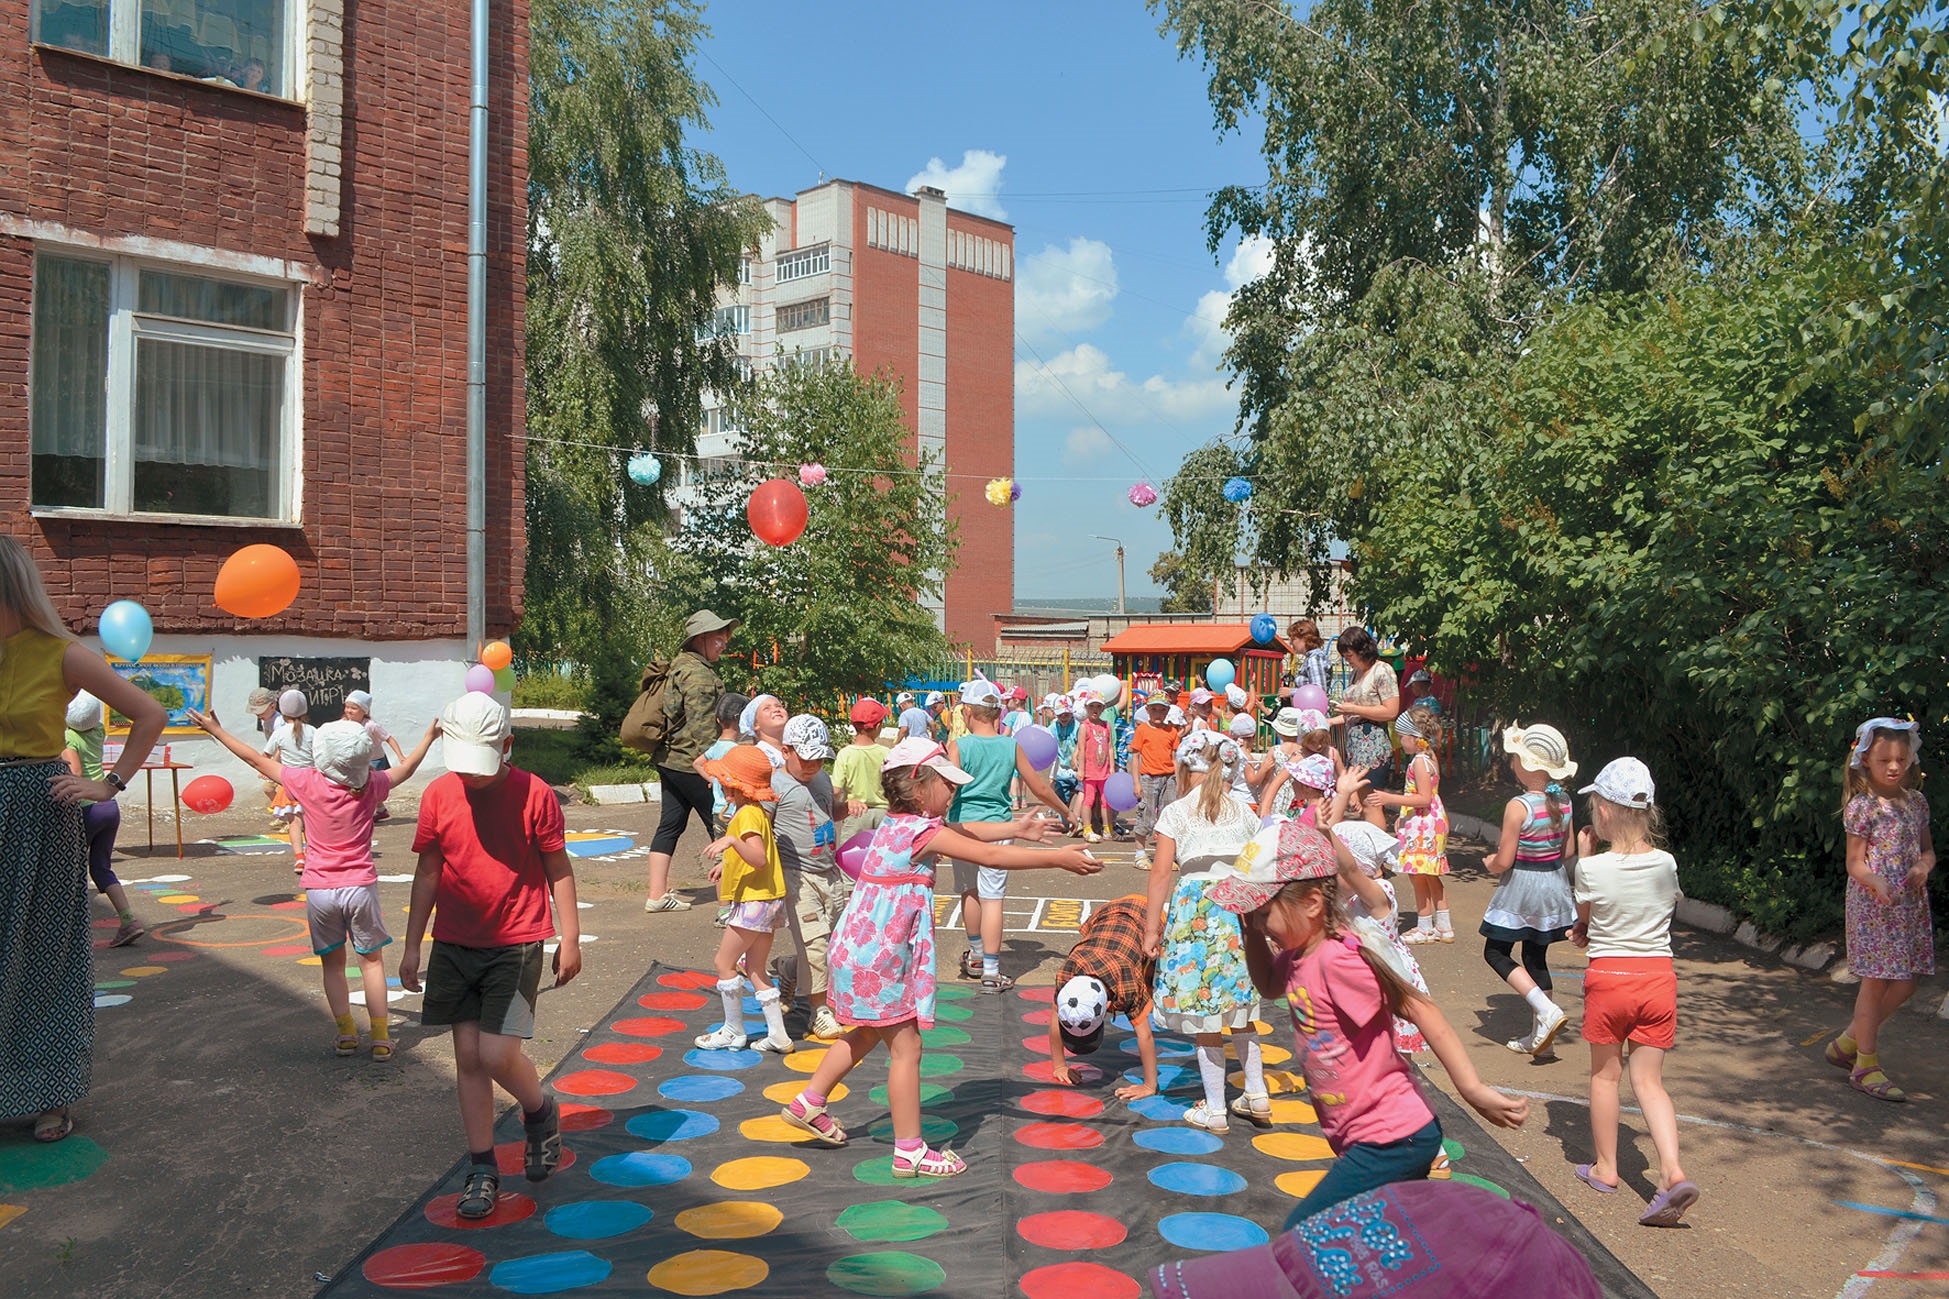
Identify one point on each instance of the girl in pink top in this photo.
(1342, 997)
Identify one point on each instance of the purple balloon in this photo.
(1038, 745)
(852, 853)
(480, 678)
(1120, 791)
(1310, 696)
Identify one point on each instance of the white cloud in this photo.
(1111, 395)
(974, 186)
(1065, 290)
(1250, 260)
(1206, 329)
(1086, 445)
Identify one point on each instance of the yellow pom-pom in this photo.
(1000, 491)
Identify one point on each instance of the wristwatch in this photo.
(115, 782)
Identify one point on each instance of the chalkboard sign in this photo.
(325, 682)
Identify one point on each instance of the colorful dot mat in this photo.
(679, 1178)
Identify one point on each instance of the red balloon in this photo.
(208, 794)
(777, 512)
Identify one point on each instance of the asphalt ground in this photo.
(225, 1150)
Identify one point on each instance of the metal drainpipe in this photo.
(477, 337)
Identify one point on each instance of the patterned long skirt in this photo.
(47, 1002)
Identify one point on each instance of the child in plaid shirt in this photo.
(1110, 954)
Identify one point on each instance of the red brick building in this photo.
(903, 283)
(233, 308)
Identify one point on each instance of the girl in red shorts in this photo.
(1625, 898)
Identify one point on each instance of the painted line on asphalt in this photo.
(1891, 1213)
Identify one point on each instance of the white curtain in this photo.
(198, 405)
(70, 412)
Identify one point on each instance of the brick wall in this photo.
(980, 437)
(112, 151)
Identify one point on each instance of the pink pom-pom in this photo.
(811, 475)
(1143, 494)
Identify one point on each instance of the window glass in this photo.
(215, 302)
(72, 24)
(70, 382)
(237, 42)
(208, 429)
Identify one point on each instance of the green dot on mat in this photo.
(889, 1272)
(107, 984)
(879, 1172)
(38, 1166)
(891, 1220)
(932, 1129)
(952, 992)
(937, 1065)
(945, 1035)
(958, 1014)
(1452, 1148)
(930, 1094)
(1482, 1182)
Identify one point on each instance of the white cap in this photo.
(363, 698)
(982, 694)
(1082, 1007)
(292, 703)
(1626, 782)
(1064, 705)
(1235, 695)
(1374, 850)
(916, 752)
(1243, 727)
(1286, 723)
(935, 697)
(474, 733)
(904, 697)
(1175, 717)
(84, 712)
(807, 736)
(342, 752)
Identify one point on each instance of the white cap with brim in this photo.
(916, 752)
(1276, 856)
(1626, 782)
(342, 753)
(474, 732)
(982, 694)
(84, 712)
(360, 698)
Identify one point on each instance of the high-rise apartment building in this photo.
(900, 283)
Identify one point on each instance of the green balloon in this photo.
(504, 679)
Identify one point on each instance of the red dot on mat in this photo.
(594, 1082)
(289, 906)
(1037, 1043)
(622, 1053)
(1079, 1281)
(673, 1001)
(105, 924)
(581, 1118)
(288, 949)
(1059, 1136)
(510, 1158)
(157, 958)
(1062, 1104)
(649, 1026)
(692, 979)
(1071, 1229)
(1044, 1071)
(1045, 996)
(509, 1206)
(421, 1267)
(1039, 1017)
(1062, 1176)
(200, 908)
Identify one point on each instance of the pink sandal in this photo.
(807, 1117)
(928, 1163)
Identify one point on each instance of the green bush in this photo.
(550, 690)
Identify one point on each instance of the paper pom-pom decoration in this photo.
(1238, 489)
(1000, 491)
(1143, 494)
(812, 475)
(645, 469)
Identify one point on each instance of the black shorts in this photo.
(685, 793)
(494, 987)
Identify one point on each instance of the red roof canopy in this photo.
(1191, 638)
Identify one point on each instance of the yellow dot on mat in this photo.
(144, 971)
(176, 899)
(1278, 1082)
(805, 1061)
(8, 1212)
(730, 1220)
(1296, 1146)
(708, 1271)
(1290, 1111)
(1269, 1054)
(311, 960)
(759, 1173)
(772, 1128)
(1299, 1185)
(784, 1093)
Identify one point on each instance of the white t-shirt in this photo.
(291, 750)
(1200, 845)
(1632, 897)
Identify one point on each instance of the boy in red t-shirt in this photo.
(1154, 747)
(492, 850)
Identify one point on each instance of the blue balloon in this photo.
(645, 469)
(1264, 628)
(126, 630)
(1238, 489)
(1220, 673)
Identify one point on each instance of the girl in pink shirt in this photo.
(1342, 996)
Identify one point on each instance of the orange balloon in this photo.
(496, 655)
(777, 512)
(257, 582)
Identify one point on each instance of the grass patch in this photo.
(555, 756)
(550, 690)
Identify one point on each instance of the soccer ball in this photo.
(1082, 1004)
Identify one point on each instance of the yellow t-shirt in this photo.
(33, 697)
(857, 772)
(741, 881)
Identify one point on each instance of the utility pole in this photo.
(1119, 546)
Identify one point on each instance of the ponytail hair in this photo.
(1395, 990)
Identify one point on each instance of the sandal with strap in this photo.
(1839, 1057)
(928, 1163)
(479, 1194)
(345, 1044)
(1420, 936)
(382, 1050)
(53, 1124)
(807, 1117)
(1884, 1090)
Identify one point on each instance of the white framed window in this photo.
(160, 389)
(801, 262)
(728, 322)
(803, 315)
(246, 43)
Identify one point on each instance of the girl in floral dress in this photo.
(1422, 830)
(882, 958)
(1890, 855)
(1203, 987)
(1370, 898)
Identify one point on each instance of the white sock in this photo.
(1247, 1043)
(991, 966)
(1539, 1001)
(774, 1011)
(731, 993)
(1425, 922)
(974, 946)
(1211, 1068)
(1442, 921)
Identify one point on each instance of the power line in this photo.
(762, 109)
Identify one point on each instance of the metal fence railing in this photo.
(1038, 672)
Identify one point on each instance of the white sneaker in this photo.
(668, 902)
(825, 1025)
(1543, 1031)
(722, 1039)
(1200, 1117)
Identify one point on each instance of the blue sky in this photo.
(1078, 124)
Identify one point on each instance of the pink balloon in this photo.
(852, 853)
(480, 678)
(1120, 791)
(1311, 696)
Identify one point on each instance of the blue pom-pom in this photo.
(1238, 489)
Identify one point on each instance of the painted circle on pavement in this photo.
(672, 1125)
(708, 1271)
(759, 1173)
(549, 1273)
(1044, 1071)
(1299, 1184)
(1159, 1109)
(106, 999)
(673, 1001)
(43, 1165)
(144, 971)
(1279, 1082)
(1216, 1232)
(889, 1272)
(939, 1065)
(1298, 1147)
(807, 1060)
(1038, 1044)
(1040, 1018)
(1062, 1176)
(622, 1053)
(688, 980)
(933, 1129)
(509, 1206)
(594, 1082)
(1179, 1141)
(649, 1026)
(785, 1093)
(944, 1035)
(1058, 1136)
(954, 1013)
(1286, 1110)
(952, 992)
(1060, 1104)
(1482, 1182)
(640, 1168)
(1080, 1281)
(772, 1127)
(730, 1220)
(597, 1219)
(1196, 1179)
(930, 1094)
(698, 1088)
(420, 1267)
(1071, 1229)
(890, 1221)
(1040, 996)
(721, 1061)
(581, 1118)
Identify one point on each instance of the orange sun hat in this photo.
(745, 771)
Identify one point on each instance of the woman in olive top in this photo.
(690, 710)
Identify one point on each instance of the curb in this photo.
(650, 791)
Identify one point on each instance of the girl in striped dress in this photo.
(1532, 904)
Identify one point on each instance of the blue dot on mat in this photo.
(698, 1087)
(645, 1168)
(1166, 1048)
(106, 999)
(751, 1006)
(1170, 1077)
(1212, 1231)
(1185, 1179)
(549, 1273)
(394, 982)
(1122, 1022)
(597, 1219)
(672, 1125)
(751, 1028)
(1178, 1141)
(1159, 1109)
(723, 1061)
